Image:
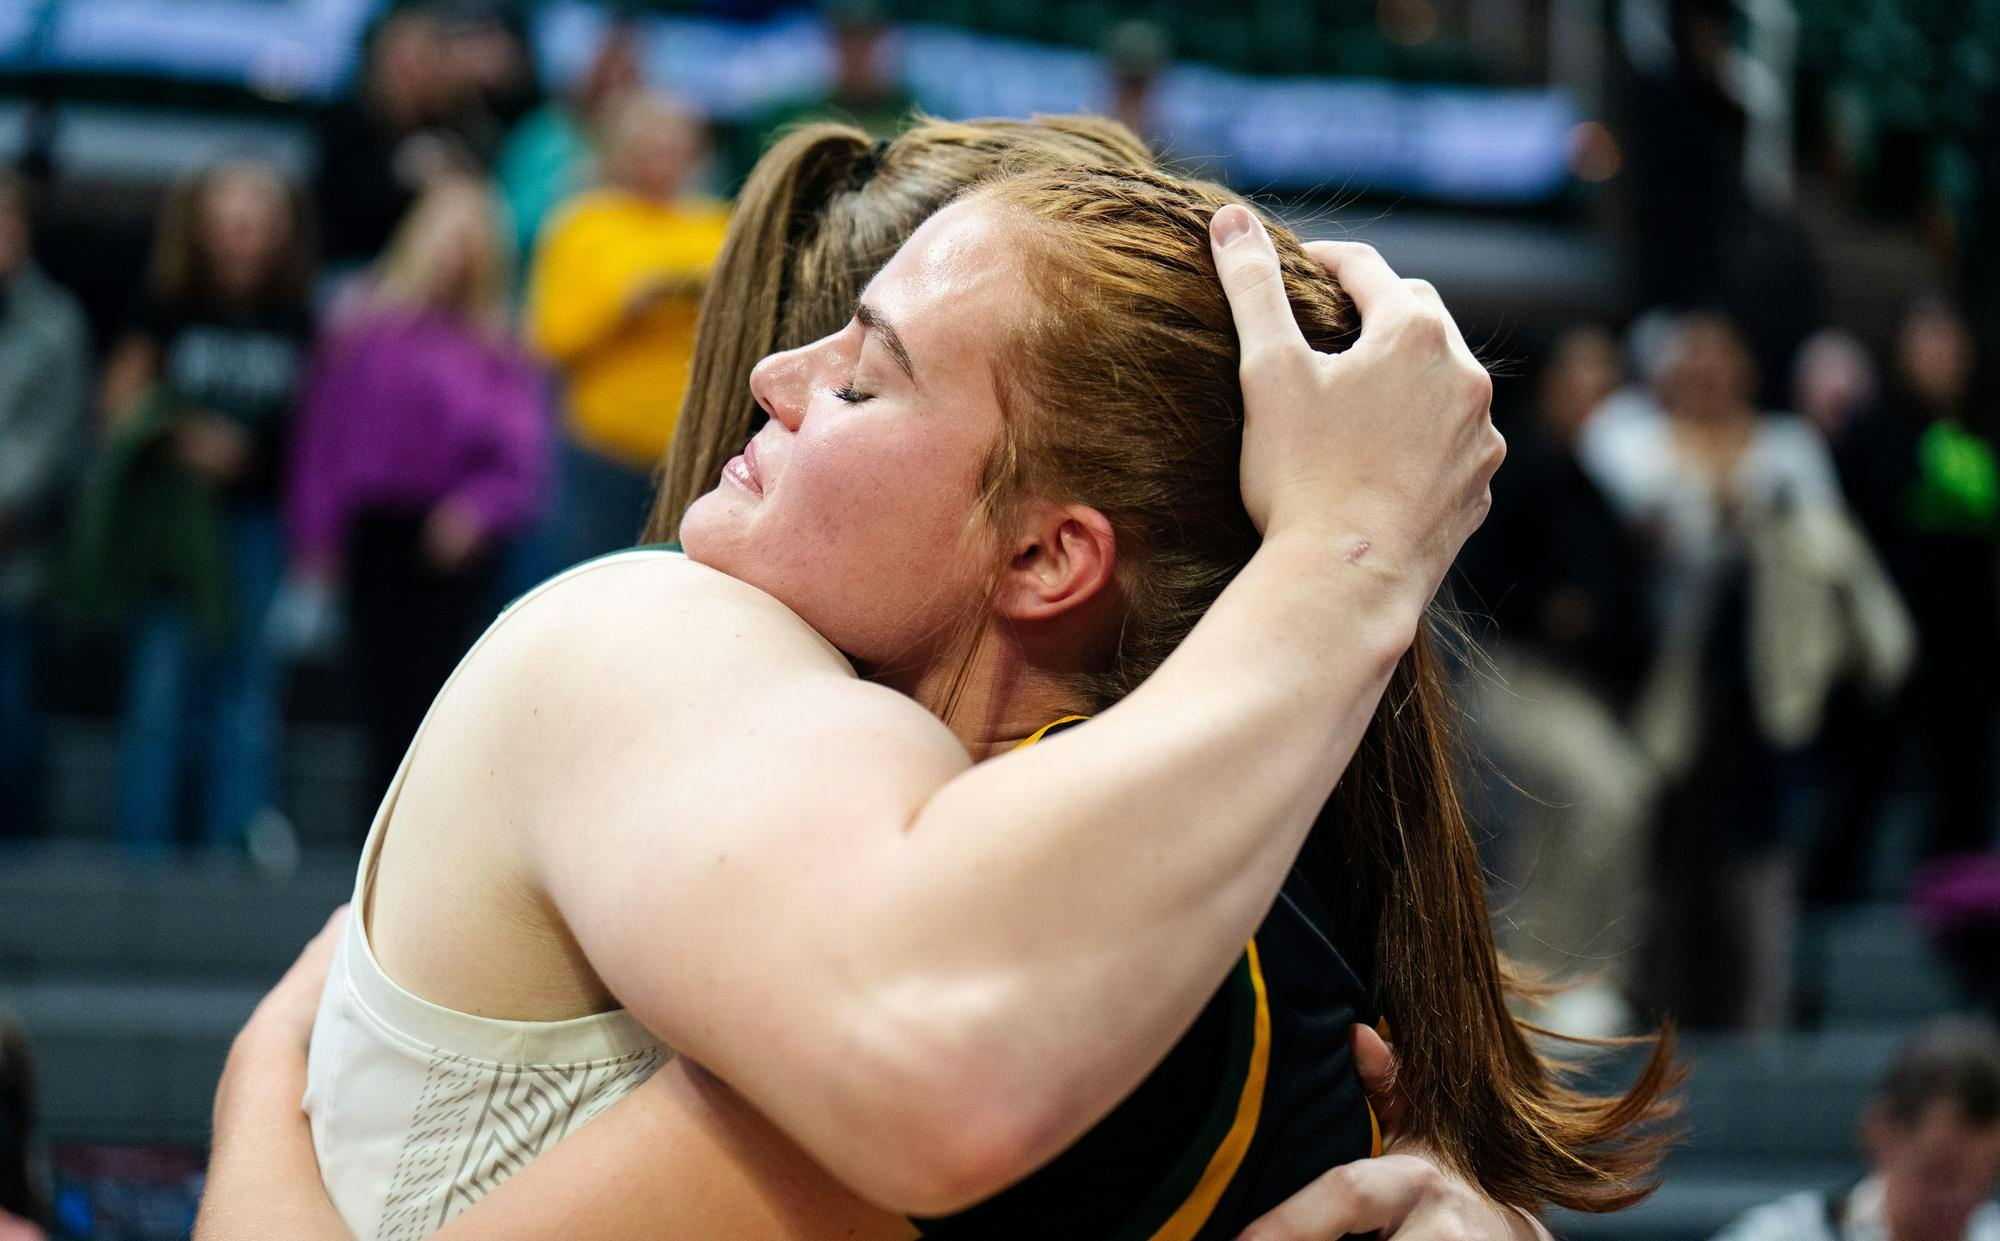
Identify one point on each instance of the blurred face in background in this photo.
(410, 75)
(1584, 370)
(1708, 376)
(1833, 380)
(244, 227)
(13, 231)
(1935, 1172)
(654, 147)
(1934, 355)
(486, 56)
(860, 59)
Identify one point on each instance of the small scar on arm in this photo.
(1356, 552)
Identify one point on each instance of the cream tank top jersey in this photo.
(418, 1111)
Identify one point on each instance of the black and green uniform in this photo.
(1256, 1100)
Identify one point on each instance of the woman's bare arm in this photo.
(263, 1177)
(684, 1156)
(972, 966)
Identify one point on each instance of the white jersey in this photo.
(1854, 1216)
(417, 1110)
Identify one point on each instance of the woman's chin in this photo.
(707, 528)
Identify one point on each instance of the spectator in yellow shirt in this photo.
(612, 301)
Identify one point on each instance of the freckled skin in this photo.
(864, 522)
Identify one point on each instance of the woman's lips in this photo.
(742, 470)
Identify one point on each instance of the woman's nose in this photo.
(780, 383)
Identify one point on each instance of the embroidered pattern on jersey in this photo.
(475, 1124)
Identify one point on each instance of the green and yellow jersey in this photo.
(1255, 1101)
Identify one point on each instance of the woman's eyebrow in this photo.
(872, 320)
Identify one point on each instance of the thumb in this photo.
(1373, 1195)
(1253, 281)
(1375, 1063)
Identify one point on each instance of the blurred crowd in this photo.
(1727, 644)
(355, 415)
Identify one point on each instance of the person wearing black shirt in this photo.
(1920, 475)
(379, 149)
(199, 391)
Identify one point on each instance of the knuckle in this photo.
(1254, 271)
(1422, 329)
(1269, 361)
(1479, 385)
(1338, 1182)
(1421, 287)
(1430, 1179)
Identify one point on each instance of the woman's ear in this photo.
(1063, 559)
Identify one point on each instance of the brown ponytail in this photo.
(1130, 330)
(742, 309)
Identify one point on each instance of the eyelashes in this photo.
(849, 394)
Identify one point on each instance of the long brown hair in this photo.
(822, 212)
(1125, 397)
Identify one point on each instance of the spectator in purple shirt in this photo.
(422, 444)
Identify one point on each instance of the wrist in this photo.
(1365, 589)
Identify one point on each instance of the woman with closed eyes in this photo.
(1018, 487)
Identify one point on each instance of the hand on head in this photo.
(1329, 443)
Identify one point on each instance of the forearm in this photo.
(263, 1177)
(682, 1156)
(1197, 791)
(1051, 921)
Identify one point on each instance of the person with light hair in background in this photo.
(44, 433)
(1932, 1139)
(612, 301)
(1767, 597)
(422, 446)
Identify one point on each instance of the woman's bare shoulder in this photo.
(617, 689)
(664, 652)
(658, 610)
